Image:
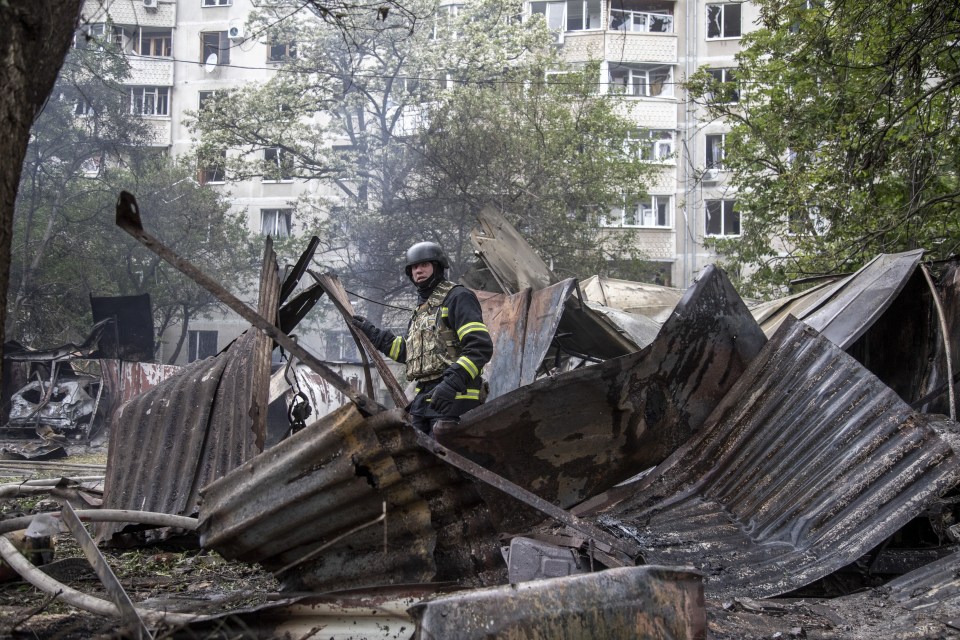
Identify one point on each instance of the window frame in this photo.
(222, 48)
(214, 172)
(565, 16)
(205, 4)
(638, 80)
(280, 159)
(635, 215)
(276, 213)
(289, 52)
(161, 97)
(197, 338)
(719, 151)
(630, 24)
(154, 35)
(721, 20)
(727, 75)
(724, 213)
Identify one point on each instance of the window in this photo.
(572, 15)
(645, 17)
(275, 222)
(442, 19)
(217, 3)
(204, 97)
(94, 35)
(339, 346)
(150, 101)
(279, 165)
(652, 146)
(203, 344)
(215, 43)
(715, 151)
(83, 107)
(282, 52)
(214, 170)
(726, 89)
(154, 43)
(648, 81)
(723, 20)
(649, 212)
(723, 219)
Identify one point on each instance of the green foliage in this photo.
(350, 109)
(66, 246)
(844, 143)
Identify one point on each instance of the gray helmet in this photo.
(426, 252)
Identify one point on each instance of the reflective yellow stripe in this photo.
(444, 312)
(470, 327)
(471, 368)
(395, 348)
(469, 394)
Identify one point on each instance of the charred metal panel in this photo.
(130, 335)
(300, 510)
(193, 428)
(522, 326)
(936, 369)
(843, 311)
(807, 463)
(569, 436)
(512, 262)
(934, 585)
(123, 381)
(638, 298)
(628, 603)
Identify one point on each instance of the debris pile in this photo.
(667, 468)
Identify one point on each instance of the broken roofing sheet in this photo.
(637, 298)
(309, 510)
(807, 463)
(511, 265)
(194, 427)
(569, 436)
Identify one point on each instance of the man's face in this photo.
(421, 272)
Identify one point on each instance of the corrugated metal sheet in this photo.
(628, 603)
(639, 298)
(844, 310)
(807, 463)
(333, 477)
(522, 326)
(193, 428)
(124, 381)
(567, 437)
(936, 369)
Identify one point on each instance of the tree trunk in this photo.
(184, 331)
(33, 43)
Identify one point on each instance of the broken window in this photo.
(723, 20)
(214, 47)
(573, 15)
(642, 16)
(722, 218)
(715, 144)
(154, 42)
(725, 90)
(275, 222)
(651, 146)
(150, 101)
(214, 169)
(203, 344)
(282, 52)
(279, 165)
(640, 80)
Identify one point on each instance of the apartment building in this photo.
(183, 51)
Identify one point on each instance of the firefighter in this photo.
(447, 343)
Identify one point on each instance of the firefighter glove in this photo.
(445, 393)
(366, 326)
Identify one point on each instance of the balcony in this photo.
(150, 71)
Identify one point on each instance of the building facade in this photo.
(183, 51)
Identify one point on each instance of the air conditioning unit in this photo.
(150, 4)
(235, 32)
(710, 175)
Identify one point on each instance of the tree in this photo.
(86, 147)
(844, 141)
(35, 38)
(349, 108)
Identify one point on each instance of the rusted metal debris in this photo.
(637, 298)
(807, 463)
(201, 424)
(573, 435)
